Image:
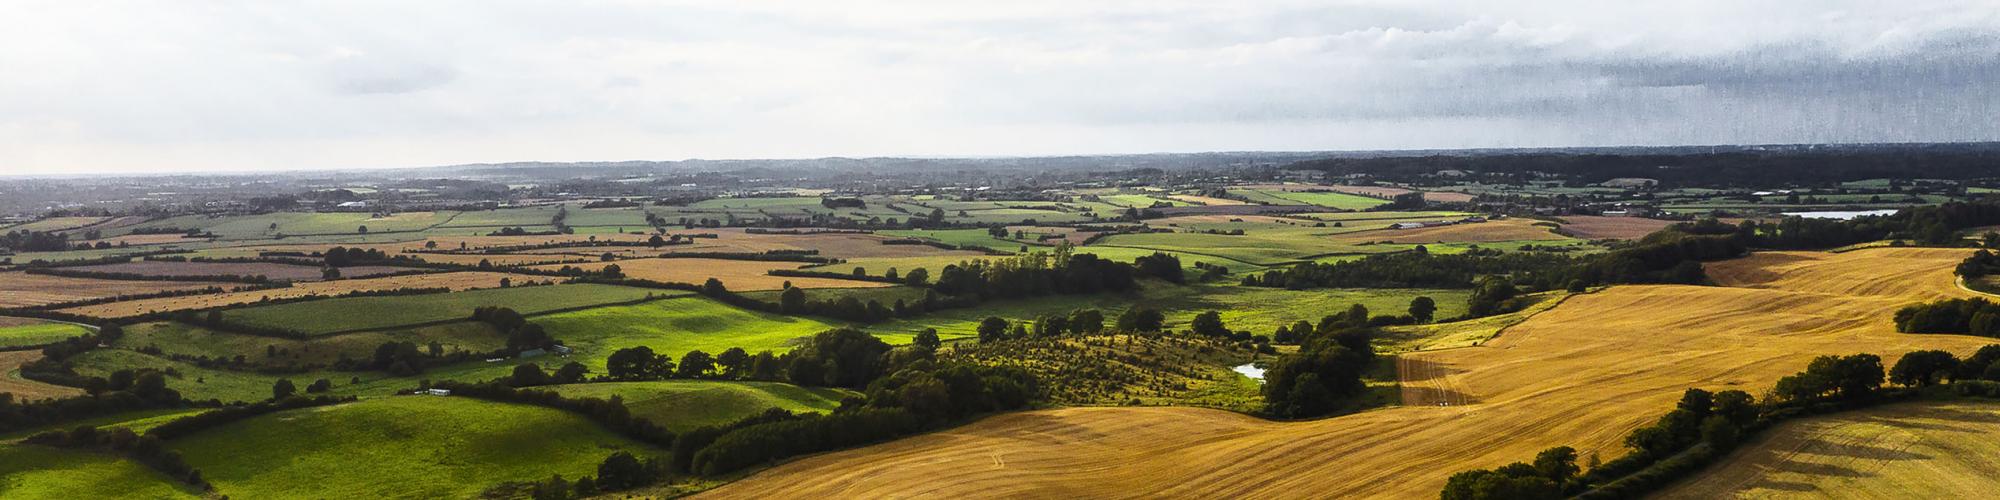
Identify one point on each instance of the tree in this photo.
(928, 339)
(1209, 324)
(696, 364)
(528, 374)
(992, 329)
(1141, 320)
(656, 241)
(570, 373)
(318, 386)
(331, 273)
(917, 277)
(733, 362)
(283, 389)
(622, 471)
(842, 357)
(637, 363)
(1357, 315)
(792, 301)
(1923, 368)
(1086, 321)
(1558, 464)
(1423, 309)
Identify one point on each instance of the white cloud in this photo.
(147, 86)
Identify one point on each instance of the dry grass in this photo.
(1482, 232)
(455, 280)
(24, 389)
(1916, 450)
(738, 275)
(18, 289)
(1582, 374)
(147, 239)
(1206, 200)
(1591, 227)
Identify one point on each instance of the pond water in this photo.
(1839, 214)
(1250, 370)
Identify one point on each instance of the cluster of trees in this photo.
(1037, 274)
(1729, 169)
(1976, 316)
(1078, 322)
(343, 256)
(124, 276)
(640, 363)
(34, 241)
(609, 271)
(1326, 370)
(521, 334)
(1552, 475)
(1981, 263)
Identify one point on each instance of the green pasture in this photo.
(683, 405)
(38, 333)
(675, 326)
(367, 313)
(41, 472)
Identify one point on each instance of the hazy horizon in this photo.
(233, 87)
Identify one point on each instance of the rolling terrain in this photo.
(1582, 374)
(1915, 450)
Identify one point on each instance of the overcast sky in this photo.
(199, 86)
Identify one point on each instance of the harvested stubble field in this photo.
(19, 289)
(274, 271)
(1592, 227)
(24, 389)
(1912, 450)
(454, 280)
(1582, 374)
(738, 275)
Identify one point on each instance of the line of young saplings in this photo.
(907, 392)
(1704, 427)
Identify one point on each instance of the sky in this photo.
(183, 86)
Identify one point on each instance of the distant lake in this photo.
(1839, 214)
(1250, 370)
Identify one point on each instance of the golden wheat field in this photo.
(1911, 450)
(1582, 374)
(739, 275)
(19, 289)
(454, 280)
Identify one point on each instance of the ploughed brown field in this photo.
(1582, 374)
(453, 280)
(738, 275)
(1592, 227)
(19, 289)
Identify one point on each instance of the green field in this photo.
(675, 326)
(139, 421)
(245, 227)
(682, 405)
(1257, 310)
(400, 447)
(38, 333)
(1137, 201)
(524, 216)
(1341, 201)
(197, 383)
(369, 313)
(189, 340)
(37, 472)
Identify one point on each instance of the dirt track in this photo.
(1582, 374)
